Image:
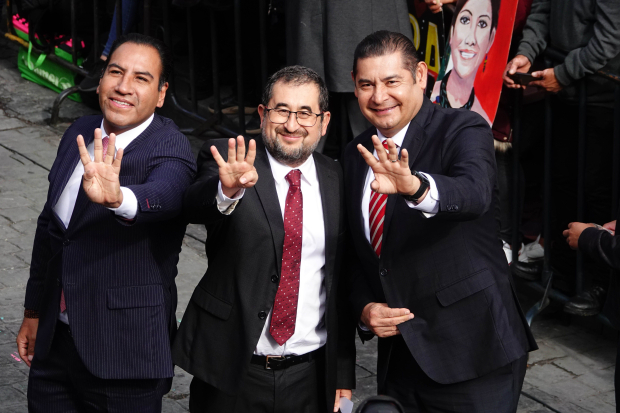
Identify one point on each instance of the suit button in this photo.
(262, 315)
(274, 278)
(383, 272)
(66, 242)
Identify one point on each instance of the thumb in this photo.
(512, 67)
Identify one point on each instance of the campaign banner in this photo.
(478, 46)
(429, 36)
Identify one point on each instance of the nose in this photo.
(379, 94)
(123, 86)
(470, 39)
(291, 124)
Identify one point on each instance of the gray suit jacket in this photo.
(323, 34)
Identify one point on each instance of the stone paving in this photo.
(572, 372)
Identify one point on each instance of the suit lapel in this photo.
(359, 186)
(330, 200)
(268, 196)
(413, 142)
(155, 125)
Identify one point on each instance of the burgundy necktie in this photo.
(63, 304)
(376, 214)
(285, 306)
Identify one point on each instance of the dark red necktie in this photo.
(63, 304)
(285, 306)
(376, 215)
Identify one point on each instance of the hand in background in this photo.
(611, 226)
(239, 171)
(548, 80)
(519, 64)
(100, 180)
(573, 233)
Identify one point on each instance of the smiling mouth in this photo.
(467, 55)
(120, 103)
(383, 111)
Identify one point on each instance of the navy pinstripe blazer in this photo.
(118, 277)
(449, 270)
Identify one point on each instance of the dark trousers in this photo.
(617, 378)
(299, 389)
(495, 392)
(61, 383)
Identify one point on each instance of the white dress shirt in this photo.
(310, 331)
(429, 205)
(66, 202)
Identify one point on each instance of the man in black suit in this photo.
(263, 331)
(101, 298)
(430, 278)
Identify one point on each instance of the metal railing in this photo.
(215, 121)
(545, 285)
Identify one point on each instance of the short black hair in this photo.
(383, 42)
(298, 75)
(143, 40)
(494, 13)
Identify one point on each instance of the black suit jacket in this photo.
(605, 248)
(226, 314)
(449, 270)
(117, 276)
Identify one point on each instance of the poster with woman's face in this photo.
(478, 46)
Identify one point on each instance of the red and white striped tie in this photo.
(376, 216)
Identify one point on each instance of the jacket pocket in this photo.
(478, 281)
(135, 297)
(212, 304)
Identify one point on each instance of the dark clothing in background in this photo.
(588, 30)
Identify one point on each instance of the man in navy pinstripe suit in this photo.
(100, 301)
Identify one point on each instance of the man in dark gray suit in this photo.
(264, 330)
(430, 278)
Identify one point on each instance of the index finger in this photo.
(84, 156)
(217, 157)
(251, 152)
(368, 157)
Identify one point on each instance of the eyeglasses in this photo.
(304, 117)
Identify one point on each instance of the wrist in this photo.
(229, 192)
(31, 313)
(421, 185)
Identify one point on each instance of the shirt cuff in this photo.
(362, 326)
(129, 206)
(225, 204)
(430, 204)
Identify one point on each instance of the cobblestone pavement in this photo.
(572, 371)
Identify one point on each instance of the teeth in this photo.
(467, 55)
(120, 103)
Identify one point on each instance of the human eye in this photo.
(142, 79)
(282, 112)
(303, 114)
(464, 20)
(483, 24)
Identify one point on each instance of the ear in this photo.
(354, 88)
(162, 95)
(261, 113)
(421, 75)
(326, 118)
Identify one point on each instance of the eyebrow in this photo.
(385, 79)
(286, 105)
(144, 73)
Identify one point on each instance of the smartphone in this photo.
(522, 78)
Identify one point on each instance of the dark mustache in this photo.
(299, 133)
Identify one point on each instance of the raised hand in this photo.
(239, 171)
(100, 180)
(392, 176)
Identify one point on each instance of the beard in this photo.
(291, 157)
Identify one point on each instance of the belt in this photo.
(284, 362)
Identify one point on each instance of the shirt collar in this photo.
(125, 138)
(398, 138)
(307, 169)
